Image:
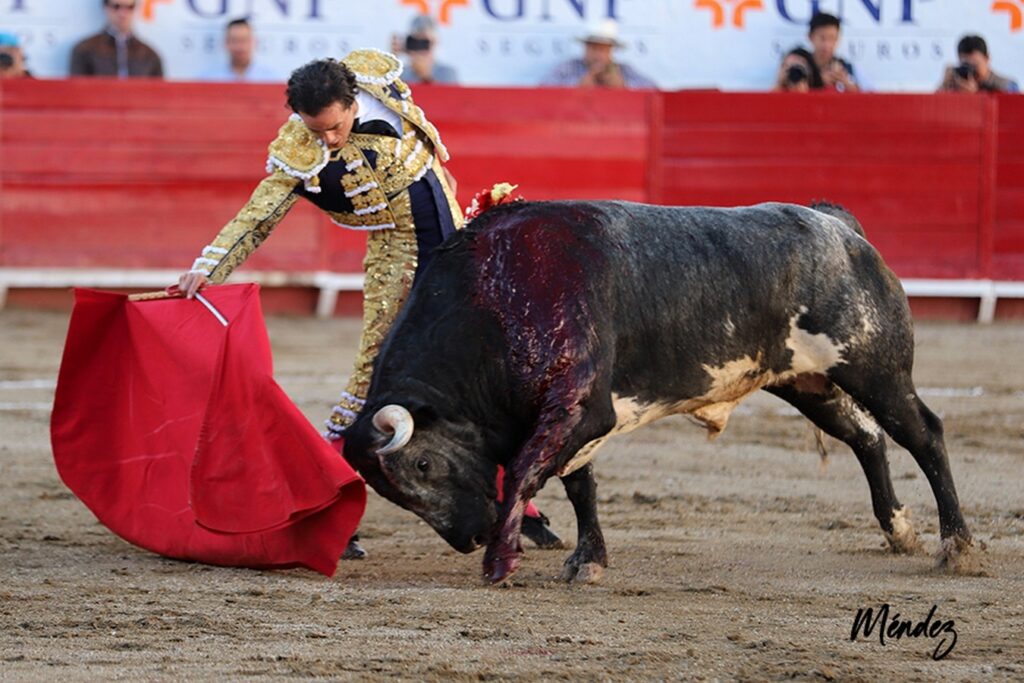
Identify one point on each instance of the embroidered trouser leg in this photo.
(390, 267)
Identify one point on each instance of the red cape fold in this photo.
(169, 426)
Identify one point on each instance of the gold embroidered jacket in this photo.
(376, 174)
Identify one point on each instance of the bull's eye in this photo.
(423, 464)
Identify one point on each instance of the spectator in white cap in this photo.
(597, 68)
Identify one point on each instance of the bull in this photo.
(544, 328)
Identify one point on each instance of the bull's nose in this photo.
(478, 541)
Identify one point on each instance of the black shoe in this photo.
(354, 551)
(538, 530)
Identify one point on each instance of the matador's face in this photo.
(332, 124)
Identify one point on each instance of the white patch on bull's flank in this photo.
(629, 414)
(813, 353)
(731, 382)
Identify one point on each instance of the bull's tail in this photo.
(840, 213)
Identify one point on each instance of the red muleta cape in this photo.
(169, 426)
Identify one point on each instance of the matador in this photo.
(359, 148)
(385, 177)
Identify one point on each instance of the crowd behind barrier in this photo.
(131, 175)
(116, 51)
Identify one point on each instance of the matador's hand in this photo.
(190, 283)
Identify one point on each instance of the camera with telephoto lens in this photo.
(6, 60)
(797, 74)
(965, 71)
(415, 44)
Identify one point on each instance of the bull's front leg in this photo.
(587, 563)
(559, 434)
(532, 466)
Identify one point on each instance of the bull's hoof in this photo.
(499, 570)
(586, 565)
(537, 529)
(588, 572)
(958, 555)
(903, 539)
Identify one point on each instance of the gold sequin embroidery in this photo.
(269, 203)
(298, 152)
(390, 267)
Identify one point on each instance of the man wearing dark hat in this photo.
(597, 68)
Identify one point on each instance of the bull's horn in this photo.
(396, 420)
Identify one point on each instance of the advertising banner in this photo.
(895, 45)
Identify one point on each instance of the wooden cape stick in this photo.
(148, 296)
(153, 296)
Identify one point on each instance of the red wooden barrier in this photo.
(590, 145)
(142, 174)
(135, 174)
(908, 167)
(1008, 238)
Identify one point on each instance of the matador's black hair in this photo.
(319, 84)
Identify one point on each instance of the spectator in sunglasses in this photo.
(116, 51)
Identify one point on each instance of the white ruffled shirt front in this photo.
(371, 109)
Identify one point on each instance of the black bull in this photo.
(543, 328)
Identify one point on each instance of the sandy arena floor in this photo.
(741, 559)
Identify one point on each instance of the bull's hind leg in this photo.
(891, 399)
(587, 563)
(836, 414)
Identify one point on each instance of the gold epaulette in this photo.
(299, 153)
(373, 67)
(378, 74)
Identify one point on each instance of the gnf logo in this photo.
(444, 9)
(732, 10)
(1015, 10)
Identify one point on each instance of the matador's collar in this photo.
(299, 153)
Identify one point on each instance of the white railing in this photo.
(330, 285)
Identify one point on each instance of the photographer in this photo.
(797, 72)
(974, 73)
(12, 59)
(418, 48)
